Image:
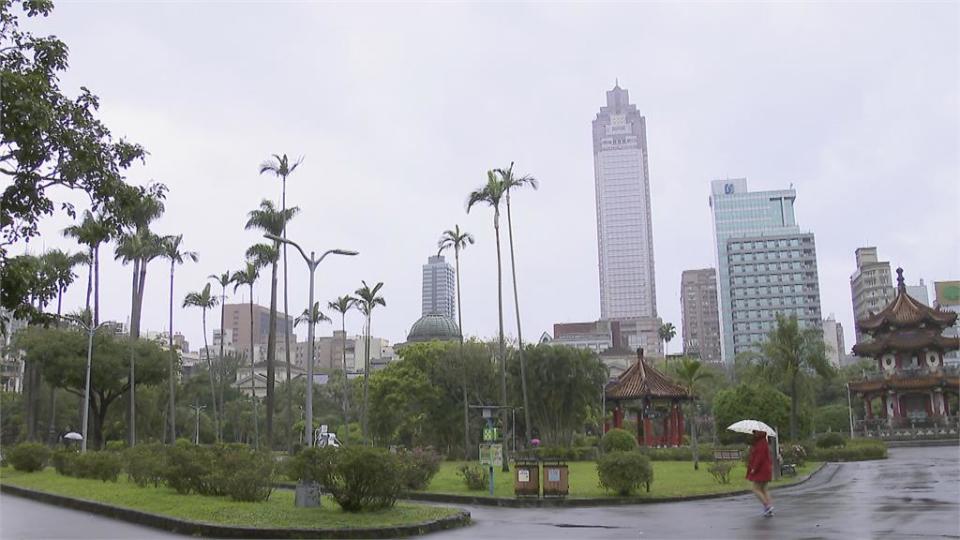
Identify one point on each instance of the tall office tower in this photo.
(236, 319)
(871, 286)
(624, 228)
(439, 288)
(765, 264)
(701, 319)
(833, 339)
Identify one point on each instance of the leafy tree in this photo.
(280, 167)
(792, 352)
(491, 194)
(170, 249)
(62, 353)
(459, 240)
(749, 401)
(367, 300)
(691, 373)
(667, 332)
(510, 182)
(248, 276)
(204, 300)
(342, 305)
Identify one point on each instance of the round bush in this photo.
(420, 465)
(146, 464)
(188, 468)
(245, 474)
(831, 440)
(104, 466)
(624, 472)
(618, 440)
(29, 457)
(363, 478)
(62, 461)
(474, 476)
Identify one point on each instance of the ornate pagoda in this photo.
(914, 387)
(657, 402)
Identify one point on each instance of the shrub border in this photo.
(581, 502)
(196, 528)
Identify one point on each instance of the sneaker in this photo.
(768, 511)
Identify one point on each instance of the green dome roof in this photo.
(431, 327)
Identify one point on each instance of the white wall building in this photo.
(833, 339)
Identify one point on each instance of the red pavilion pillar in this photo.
(681, 429)
(618, 417)
(868, 407)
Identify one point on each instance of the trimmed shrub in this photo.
(146, 464)
(363, 478)
(585, 440)
(115, 446)
(618, 440)
(310, 464)
(28, 457)
(794, 454)
(624, 472)
(420, 466)
(245, 474)
(720, 470)
(474, 476)
(831, 440)
(188, 468)
(62, 461)
(101, 466)
(855, 450)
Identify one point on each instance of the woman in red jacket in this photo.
(760, 470)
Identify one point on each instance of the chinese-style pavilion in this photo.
(659, 418)
(914, 386)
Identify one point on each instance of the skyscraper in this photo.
(765, 265)
(871, 286)
(439, 288)
(698, 308)
(624, 229)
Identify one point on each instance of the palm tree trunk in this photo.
(286, 331)
(213, 388)
(253, 380)
(271, 356)
(96, 285)
(793, 406)
(220, 372)
(90, 288)
(503, 351)
(131, 380)
(463, 361)
(366, 372)
(516, 303)
(346, 380)
(173, 360)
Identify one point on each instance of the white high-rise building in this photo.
(624, 228)
(439, 288)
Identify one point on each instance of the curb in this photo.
(574, 503)
(196, 528)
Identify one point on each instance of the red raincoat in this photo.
(760, 468)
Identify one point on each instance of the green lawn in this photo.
(670, 479)
(279, 511)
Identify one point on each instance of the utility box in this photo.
(526, 478)
(556, 481)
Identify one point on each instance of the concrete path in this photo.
(914, 494)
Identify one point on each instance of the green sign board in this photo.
(490, 434)
(491, 454)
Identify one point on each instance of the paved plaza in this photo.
(914, 494)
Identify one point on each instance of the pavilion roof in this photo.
(907, 340)
(905, 311)
(642, 380)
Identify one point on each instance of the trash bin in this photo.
(526, 478)
(555, 479)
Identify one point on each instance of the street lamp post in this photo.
(91, 329)
(197, 407)
(312, 263)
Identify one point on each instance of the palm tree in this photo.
(58, 265)
(691, 373)
(91, 232)
(792, 350)
(312, 317)
(459, 240)
(171, 250)
(272, 221)
(248, 276)
(491, 194)
(204, 300)
(280, 167)
(666, 332)
(511, 182)
(367, 300)
(223, 280)
(342, 305)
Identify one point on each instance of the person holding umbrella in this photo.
(760, 470)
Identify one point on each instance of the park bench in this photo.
(727, 455)
(788, 468)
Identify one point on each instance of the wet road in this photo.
(914, 494)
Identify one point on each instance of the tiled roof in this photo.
(907, 340)
(905, 312)
(642, 380)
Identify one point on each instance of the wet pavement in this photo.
(914, 494)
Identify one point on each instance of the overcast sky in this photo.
(399, 110)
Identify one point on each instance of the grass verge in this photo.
(278, 512)
(670, 479)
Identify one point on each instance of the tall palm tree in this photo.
(223, 280)
(511, 182)
(248, 276)
(270, 220)
(171, 250)
(204, 300)
(667, 332)
(91, 232)
(691, 373)
(792, 350)
(342, 305)
(367, 299)
(281, 167)
(459, 240)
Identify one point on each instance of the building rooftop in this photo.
(433, 327)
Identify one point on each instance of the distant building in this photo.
(439, 288)
(701, 319)
(920, 293)
(871, 286)
(434, 327)
(329, 353)
(833, 339)
(11, 363)
(237, 324)
(766, 264)
(596, 336)
(947, 298)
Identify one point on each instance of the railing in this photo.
(913, 373)
(931, 427)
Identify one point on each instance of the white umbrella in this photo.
(749, 426)
(73, 436)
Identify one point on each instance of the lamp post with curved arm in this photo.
(312, 263)
(90, 328)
